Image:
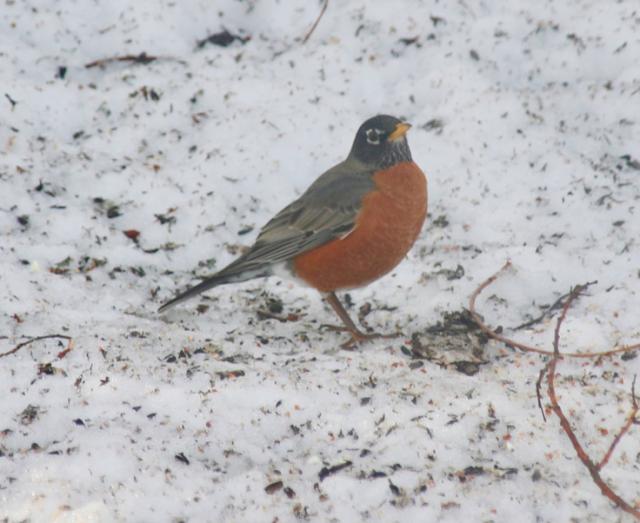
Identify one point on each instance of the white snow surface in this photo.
(526, 119)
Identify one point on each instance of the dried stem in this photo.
(558, 304)
(32, 340)
(627, 425)
(325, 4)
(550, 370)
(142, 58)
(593, 469)
(522, 346)
(541, 376)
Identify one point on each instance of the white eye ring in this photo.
(373, 136)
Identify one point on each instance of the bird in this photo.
(353, 225)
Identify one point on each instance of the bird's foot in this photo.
(357, 336)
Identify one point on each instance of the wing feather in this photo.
(327, 210)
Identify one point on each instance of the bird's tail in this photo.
(234, 273)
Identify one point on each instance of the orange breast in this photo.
(386, 227)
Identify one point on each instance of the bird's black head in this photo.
(381, 142)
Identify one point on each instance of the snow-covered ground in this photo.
(527, 121)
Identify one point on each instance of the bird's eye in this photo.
(373, 136)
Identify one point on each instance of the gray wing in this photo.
(327, 210)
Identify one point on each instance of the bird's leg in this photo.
(357, 336)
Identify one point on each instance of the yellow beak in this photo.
(400, 130)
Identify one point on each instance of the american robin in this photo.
(354, 224)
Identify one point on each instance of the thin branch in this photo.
(630, 419)
(141, 59)
(32, 340)
(325, 4)
(485, 328)
(549, 310)
(550, 369)
(523, 346)
(543, 371)
(593, 469)
(574, 294)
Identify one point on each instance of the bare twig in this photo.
(11, 100)
(325, 4)
(593, 469)
(630, 419)
(549, 310)
(575, 292)
(541, 376)
(522, 346)
(32, 340)
(550, 370)
(142, 58)
(485, 328)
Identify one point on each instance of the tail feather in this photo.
(227, 275)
